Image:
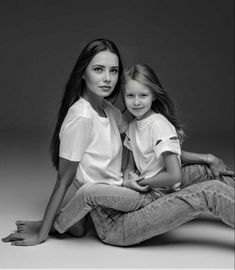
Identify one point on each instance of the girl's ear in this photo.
(154, 97)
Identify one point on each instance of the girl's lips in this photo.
(137, 108)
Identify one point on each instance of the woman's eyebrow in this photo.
(103, 66)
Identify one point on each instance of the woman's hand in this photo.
(23, 239)
(217, 166)
(131, 182)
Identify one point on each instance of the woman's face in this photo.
(101, 74)
(138, 99)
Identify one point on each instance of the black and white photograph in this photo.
(117, 134)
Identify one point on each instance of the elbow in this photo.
(177, 177)
(63, 181)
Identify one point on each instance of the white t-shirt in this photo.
(94, 142)
(148, 139)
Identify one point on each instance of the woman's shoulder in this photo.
(110, 107)
(81, 108)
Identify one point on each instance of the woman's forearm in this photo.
(51, 210)
(66, 173)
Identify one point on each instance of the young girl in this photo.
(154, 135)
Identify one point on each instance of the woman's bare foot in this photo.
(29, 227)
(77, 230)
(32, 227)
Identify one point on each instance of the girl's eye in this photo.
(129, 95)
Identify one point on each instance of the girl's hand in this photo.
(217, 166)
(132, 183)
(23, 239)
(135, 186)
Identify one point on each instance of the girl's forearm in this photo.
(189, 157)
(163, 179)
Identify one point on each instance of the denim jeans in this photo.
(111, 196)
(200, 192)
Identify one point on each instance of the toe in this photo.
(19, 222)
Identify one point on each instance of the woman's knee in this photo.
(86, 189)
(215, 185)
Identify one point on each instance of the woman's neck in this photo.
(96, 102)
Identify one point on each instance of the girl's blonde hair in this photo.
(163, 103)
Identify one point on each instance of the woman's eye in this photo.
(98, 69)
(115, 71)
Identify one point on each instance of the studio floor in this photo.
(27, 179)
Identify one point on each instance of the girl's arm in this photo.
(216, 165)
(66, 173)
(130, 178)
(130, 167)
(168, 178)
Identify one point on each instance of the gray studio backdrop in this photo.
(188, 42)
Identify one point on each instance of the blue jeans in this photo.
(111, 196)
(200, 192)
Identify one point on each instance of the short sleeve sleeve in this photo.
(75, 136)
(127, 141)
(121, 121)
(165, 139)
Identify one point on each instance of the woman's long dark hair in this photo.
(75, 85)
(163, 103)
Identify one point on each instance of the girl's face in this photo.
(138, 98)
(101, 74)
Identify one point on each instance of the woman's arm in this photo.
(66, 173)
(168, 178)
(216, 165)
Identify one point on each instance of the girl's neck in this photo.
(96, 102)
(146, 115)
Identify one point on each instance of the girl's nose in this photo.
(136, 101)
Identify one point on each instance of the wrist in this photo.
(209, 159)
(124, 182)
(42, 237)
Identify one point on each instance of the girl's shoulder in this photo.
(159, 119)
(161, 124)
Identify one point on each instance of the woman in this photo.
(102, 58)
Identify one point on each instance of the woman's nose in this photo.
(107, 77)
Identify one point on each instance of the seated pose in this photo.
(156, 150)
(87, 147)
